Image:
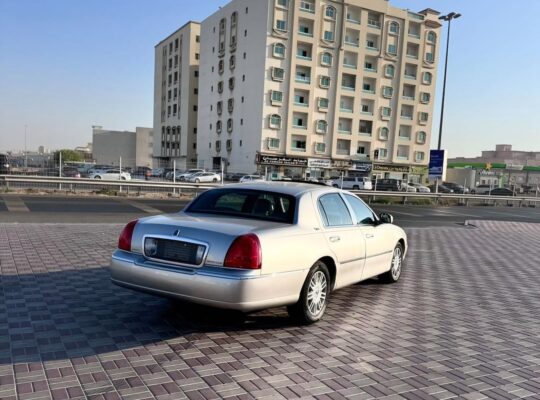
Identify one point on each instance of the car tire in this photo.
(214, 180)
(197, 180)
(355, 187)
(396, 266)
(97, 177)
(123, 178)
(311, 306)
(334, 185)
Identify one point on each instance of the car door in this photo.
(378, 248)
(343, 238)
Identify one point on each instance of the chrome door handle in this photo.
(369, 235)
(334, 239)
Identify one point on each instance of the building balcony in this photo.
(374, 24)
(302, 79)
(302, 57)
(350, 43)
(347, 110)
(407, 117)
(345, 131)
(407, 76)
(350, 66)
(301, 104)
(346, 87)
(299, 126)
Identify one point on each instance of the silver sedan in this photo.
(253, 246)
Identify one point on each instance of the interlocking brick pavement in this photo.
(463, 322)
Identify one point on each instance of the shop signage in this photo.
(286, 161)
(362, 166)
(319, 163)
(346, 164)
(391, 168)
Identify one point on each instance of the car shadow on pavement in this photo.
(79, 312)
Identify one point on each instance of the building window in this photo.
(389, 71)
(393, 28)
(426, 78)
(243, 78)
(197, 39)
(326, 59)
(196, 91)
(429, 58)
(278, 74)
(281, 25)
(231, 83)
(221, 66)
(324, 81)
(219, 107)
(275, 121)
(386, 112)
(229, 125)
(322, 126)
(245, 32)
(174, 109)
(382, 154)
(282, 3)
(298, 144)
(323, 103)
(279, 50)
(176, 44)
(330, 12)
(419, 156)
(219, 127)
(425, 97)
(229, 144)
(423, 117)
(392, 49)
(218, 145)
(366, 127)
(431, 37)
(403, 152)
(242, 99)
(387, 91)
(230, 105)
(196, 74)
(383, 133)
(273, 143)
(329, 36)
(298, 122)
(320, 147)
(197, 56)
(220, 87)
(241, 121)
(276, 97)
(195, 108)
(421, 137)
(232, 62)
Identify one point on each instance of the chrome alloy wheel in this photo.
(397, 260)
(316, 295)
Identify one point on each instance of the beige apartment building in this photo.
(318, 87)
(176, 90)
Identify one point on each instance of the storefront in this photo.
(391, 171)
(276, 167)
(419, 174)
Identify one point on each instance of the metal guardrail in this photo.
(73, 184)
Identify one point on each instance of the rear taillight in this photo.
(124, 242)
(245, 252)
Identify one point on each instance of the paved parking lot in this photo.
(462, 322)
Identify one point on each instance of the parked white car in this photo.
(407, 187)
(111, 175)
(251, 178)
(254, 246)
(353, 183)
(205, 177)
(420, 188)
(184, 176)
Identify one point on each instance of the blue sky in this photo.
(67, 65)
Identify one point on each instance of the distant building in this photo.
(504, 154)
(133, 148)
(176, 86)
(315, 87)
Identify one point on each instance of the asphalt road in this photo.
(71, 209)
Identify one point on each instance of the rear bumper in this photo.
(218, 287)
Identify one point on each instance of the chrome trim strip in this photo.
(380, 254)
(353, 260)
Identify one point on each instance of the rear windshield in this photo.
(245, 203)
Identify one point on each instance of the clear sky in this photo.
(66, 65)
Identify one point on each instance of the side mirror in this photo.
(386, 218)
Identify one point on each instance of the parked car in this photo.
(205, 177)
(420, 188)
(482, 189)
(353, 183)
(111, 175)
(185, 175)
(405, 187)
(5, 167)
(440, 189)
(253, 246)
(389, 184)
(503, 192)
(70, 172)
(251, 178)
(457, 188)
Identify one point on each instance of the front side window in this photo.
(333, 211)
(362, 213)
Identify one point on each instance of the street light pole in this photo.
(449, 17)
(25, 151)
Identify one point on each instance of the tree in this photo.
(68, 155)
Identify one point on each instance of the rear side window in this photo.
(333, 210)
(246, 203)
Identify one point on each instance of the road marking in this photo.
(437, 211)
(15, 204)
(143, 207)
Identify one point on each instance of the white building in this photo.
(132, 149)
(175, 97)
(317, 86)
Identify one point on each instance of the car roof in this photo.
(290, 188)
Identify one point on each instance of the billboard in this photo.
(437, 164)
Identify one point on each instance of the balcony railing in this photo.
(298, 103)
(409, 76)
(407, 97)
(345, 109)
(351, 43)
(302, 79)
(345, 131)
(374, 23)
(372, 48)
(308, 7)
(414, 35)
(370, 91)
(413, 56)
(340, 152)
(366, 112)
(303, 57)
(353, 20)
(299, 126)
(303, 150)
(405, 116)
(346, 65)
(347, 87)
